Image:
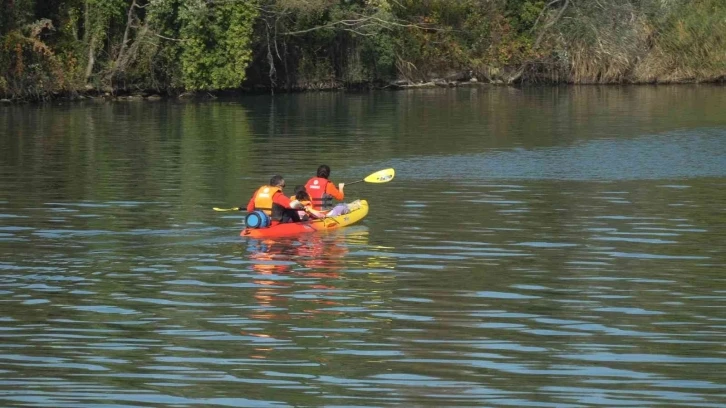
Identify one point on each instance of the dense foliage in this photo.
(55, 46)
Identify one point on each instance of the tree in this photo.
(215, 40)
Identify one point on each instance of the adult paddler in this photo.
(322, 191)
(274, 202)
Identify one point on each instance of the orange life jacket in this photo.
(305, 203)
(263, 201)
(316, 187)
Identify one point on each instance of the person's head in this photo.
(323, 171)
(301, 194)
(277, 181)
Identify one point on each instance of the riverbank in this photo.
(154, 95)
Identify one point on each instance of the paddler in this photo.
(322, 191)
(274, 202)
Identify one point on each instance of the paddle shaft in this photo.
(229, 209)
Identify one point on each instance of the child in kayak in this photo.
(302, 196)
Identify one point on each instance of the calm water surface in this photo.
(554, 247)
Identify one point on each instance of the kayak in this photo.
(294, 228)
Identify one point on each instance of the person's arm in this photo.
(337, 194)
(315, 213)
(280, 199)
(251, 204)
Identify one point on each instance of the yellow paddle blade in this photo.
(381, 176)
(226, 209)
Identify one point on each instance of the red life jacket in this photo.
(316, 187)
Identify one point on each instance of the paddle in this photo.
(381, 176)
(226, 209)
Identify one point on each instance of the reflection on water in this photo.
(538, 247)
(319, 260)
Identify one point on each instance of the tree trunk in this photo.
(91, 57)
(90, 39)
(121, 58)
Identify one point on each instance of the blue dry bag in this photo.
(257, 219)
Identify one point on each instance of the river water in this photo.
(538, 247)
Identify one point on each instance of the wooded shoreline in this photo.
(150, 48)
(154, 95)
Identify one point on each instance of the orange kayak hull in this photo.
(294, 228)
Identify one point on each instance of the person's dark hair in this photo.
(302, 195)
(323, 171)
(277, 180)
(300, 188)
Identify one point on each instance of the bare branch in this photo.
(541, 35)
(365, 21)
(542, 13)
(169, 38)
